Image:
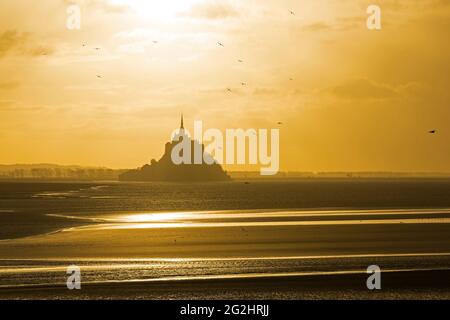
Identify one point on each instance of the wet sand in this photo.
(226, 241)
(398, 285)
(236, 254)
(209, 234)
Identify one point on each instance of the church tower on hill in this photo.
(165, 170)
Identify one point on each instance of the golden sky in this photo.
(349, 99)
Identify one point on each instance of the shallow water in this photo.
(25, 273)
(32, 208)
(205, 231)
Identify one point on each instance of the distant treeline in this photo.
(368, 174)
(57, 172)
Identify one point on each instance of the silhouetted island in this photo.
(166, 170)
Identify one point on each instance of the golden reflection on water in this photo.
(154, 217)
(162, 225)
(239, 218)
(163, 217)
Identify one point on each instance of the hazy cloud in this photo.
(317, 26)
(21, 43)
(212, 10)
(414, 4)
(103, 5)
(264, 91)
(5, 104)
(8, 85)
(362, 89)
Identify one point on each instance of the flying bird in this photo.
(292, 12)
(220, 44)
(240, 60)
(291, 79)
(228, 89)
(99, 76)
(97, 48)
(243, 84)
(280, 123)
(155, 41)
(432, 131)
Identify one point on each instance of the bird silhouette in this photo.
(220, 44)
(432, 131)
(292, 12)
(280, 123)
(97, 48)
(240, 60)
(243, 84)
(99, 76)
(155, 41)
(291, 79)
(228, 89)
